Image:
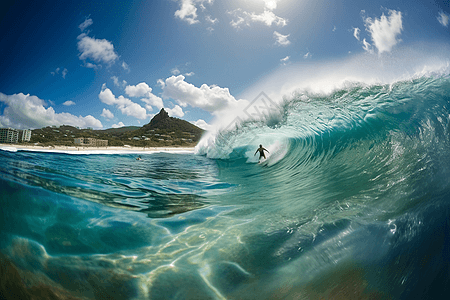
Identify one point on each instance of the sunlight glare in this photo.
(269, 4)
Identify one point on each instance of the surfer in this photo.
(261, 152)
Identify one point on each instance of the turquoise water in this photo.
(352, 203)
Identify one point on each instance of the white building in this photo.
(78, 141)
(26, 135)
(9, 135)
(90, 142)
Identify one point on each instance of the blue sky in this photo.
(106, 64)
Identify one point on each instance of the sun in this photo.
(271, 4)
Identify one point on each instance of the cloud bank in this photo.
(25, 111)
(209, 98)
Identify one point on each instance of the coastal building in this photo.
(26, 135)
(91, 142)
(9, 135)
(97, 143)
(78, 141)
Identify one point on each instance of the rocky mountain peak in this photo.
(162, 116)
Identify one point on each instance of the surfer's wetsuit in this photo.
(261, 152)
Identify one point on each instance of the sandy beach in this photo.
(81, 149)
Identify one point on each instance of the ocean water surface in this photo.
(352, 203)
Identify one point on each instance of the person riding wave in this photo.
(261, 152)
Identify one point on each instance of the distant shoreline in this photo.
(93, 150)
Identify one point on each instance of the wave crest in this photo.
(349, 115)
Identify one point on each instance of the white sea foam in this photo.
(9, 149)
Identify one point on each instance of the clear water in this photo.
(352, 203)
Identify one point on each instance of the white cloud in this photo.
(25, 111)
(125, 105)
(211, 20)
(117, 83)
(143, 90)
(161, 83)
(96, 49)
(116, 80)
(177, 111)
(356, 32)
(202, 124)
(188, 10)
(209, 98)
(140, 90)
(107, 97)
(120, 124)
(285, 59)
(281, 40)
(106, 113)
(443, 18)
(175, 71)
(384, 31)
(91, 66)
(125, 66)
(367, 46)
(55, 72)
(69, 103)
(238, 21)
(63, 73)
(134, 110)
(151, 101)
(85, 24)
(267, 17)
(307, 55)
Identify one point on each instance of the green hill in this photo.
(162, 130)
(120, 129)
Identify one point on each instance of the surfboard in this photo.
(263, 161)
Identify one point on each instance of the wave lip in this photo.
(358, 111)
